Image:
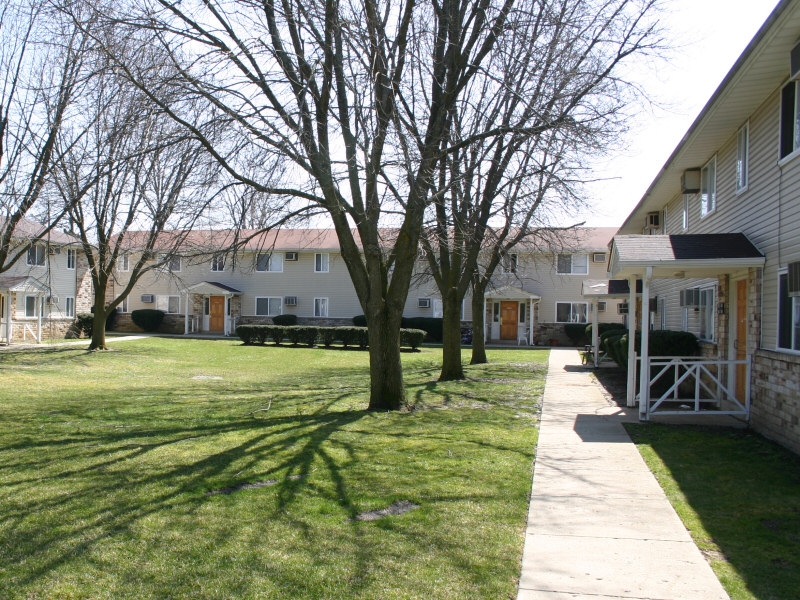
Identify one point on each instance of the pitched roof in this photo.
(28, 229)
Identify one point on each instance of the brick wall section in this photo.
(84, 295)
(775, 393)
(545, 332)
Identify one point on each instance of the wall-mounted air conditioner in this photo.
(54, 250)
(690, 181)
(652, 223)
(148, 298)
(290, 300)
(291, 256)
(601, 306)
(52, 299)
(423, 302)
(599, 257)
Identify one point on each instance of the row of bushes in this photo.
(432, 326)
(580, 334)
(326, 336)
(661, 343)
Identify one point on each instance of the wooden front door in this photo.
(509, 316)
(740, 338)
(216, 320)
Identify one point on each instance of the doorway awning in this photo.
(682, 256)
(22, 284)
(602, 289)
(213, 288)
(511, 292)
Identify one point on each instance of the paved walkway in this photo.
(599, 525)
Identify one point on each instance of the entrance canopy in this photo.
(511, 292)
(213, 288)
(22, 284)
(608, 288)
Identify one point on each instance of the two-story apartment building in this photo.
(716, 237)
(41, 294)
(301, 272)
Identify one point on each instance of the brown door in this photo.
(509, 316)
(740, 339)
(216, 321)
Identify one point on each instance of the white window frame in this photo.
(270, 300)
(274, 262)
(36, 255)
(685, 215)
(218, 263)
(161, 299)
(322, 262)
(742, 157)
(789, 138)
(72, 258)
(708, 188)
(321, 307)
(69, 306)
(122, 307)
(28, 315)
(123, 262)
(794, 311)
(171, 263)
(572, 265)
(573, 316)
(708, 313)
(509, 263)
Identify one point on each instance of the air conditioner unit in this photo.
(794, 62)
(54, 250)
(599, 257)
(52, 299)
(148, 298)
(290, 300)
(601, 306)
(291, 256)
(690, 181)
(622, 308)
(423, 302)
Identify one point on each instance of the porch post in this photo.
(644, 377)
(631, 388)
(486, 322)
(186, 311)
(9, 330)
(530, 321)
(595, 333)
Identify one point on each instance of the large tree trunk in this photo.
(478, 318)
(451, 338)
(99, 324)
(387, 390)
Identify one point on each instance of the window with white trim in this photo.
(69, 306)
(788, 316)
(742, 156)
(171, 263)
(522, 309)
(790, 119)
(320, 307)
(218, 262)
(122, 307)
(572, 264)
(72, 256)
(123, 261)
(30, 306)
(268, 261)
(36, 255)
(572, 312)
(708, 188)
(168, 304)
(707, 314)
(268, 306)
(508, 263)
(322, 262)
(685, 216)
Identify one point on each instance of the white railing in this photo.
(705, 377)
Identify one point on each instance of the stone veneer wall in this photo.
(775, 396)
(551, 331)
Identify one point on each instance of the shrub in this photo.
(309, 336)
(576, 332)
(148, 319)
(246, 333)
(260, 333)
(84, 324)
(412, 338)
(294, 334)
(431, 325)
(285, 320)
(360, 321)
(277, 334)
(661, 343)
(603, 328)
(328, 335)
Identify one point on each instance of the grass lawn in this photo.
(208, 469)
(739, 496)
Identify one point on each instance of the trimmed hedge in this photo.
(148, 319)
(661, 343)
(603, 328)
(576, 332)
(286, 320)
(312, 335)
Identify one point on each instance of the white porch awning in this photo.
(511, 292)
(213, 288)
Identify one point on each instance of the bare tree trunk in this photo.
(99, 323)
(478, 319)
(387, 391)
(451, 338)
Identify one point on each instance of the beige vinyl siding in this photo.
(55, 275)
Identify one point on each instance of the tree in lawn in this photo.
(41, 57)
(355, 97)
(134, 187)
(517, 140)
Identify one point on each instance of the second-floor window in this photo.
(36, 255)
(71, 258)
(172, 263)
(572, 264)
(269, 262)
(218, 262)
(321, 263)
(708, 187)
(742, 156)
(509, 263)
(123, 261)
(790, 119)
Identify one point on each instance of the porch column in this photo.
(631, 388)
(530, 321)
(486, 322)
(9, 330)
(186, 311)
(644, 378)
(39, 310)
(595, 333)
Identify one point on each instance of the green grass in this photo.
(107, 461)
(739, 496)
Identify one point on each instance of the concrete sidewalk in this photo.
(599, 525)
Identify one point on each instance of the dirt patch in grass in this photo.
(247, 485)
(396, 508)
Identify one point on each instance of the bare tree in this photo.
(41, 58)
(518, 136)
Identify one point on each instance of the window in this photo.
(36, 254)
(269, 262)
(685, 222)
(171, 263)
(707, 314)
(601, 306)
(573, 264)
(218, 262)
(495, 312)
(321, 304)
(268, 307)
(599, 257)
(708, 188)
(522, 306)
(207, 306)
(790, 119)
(321, 263)
(662, 312)
(71, 257)
(742, 159)
(509, 263)
(123, 262)
(571, 312)
(122, 307)
(30, 306)
(788, 316)
(69, 306)
(168, 304)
